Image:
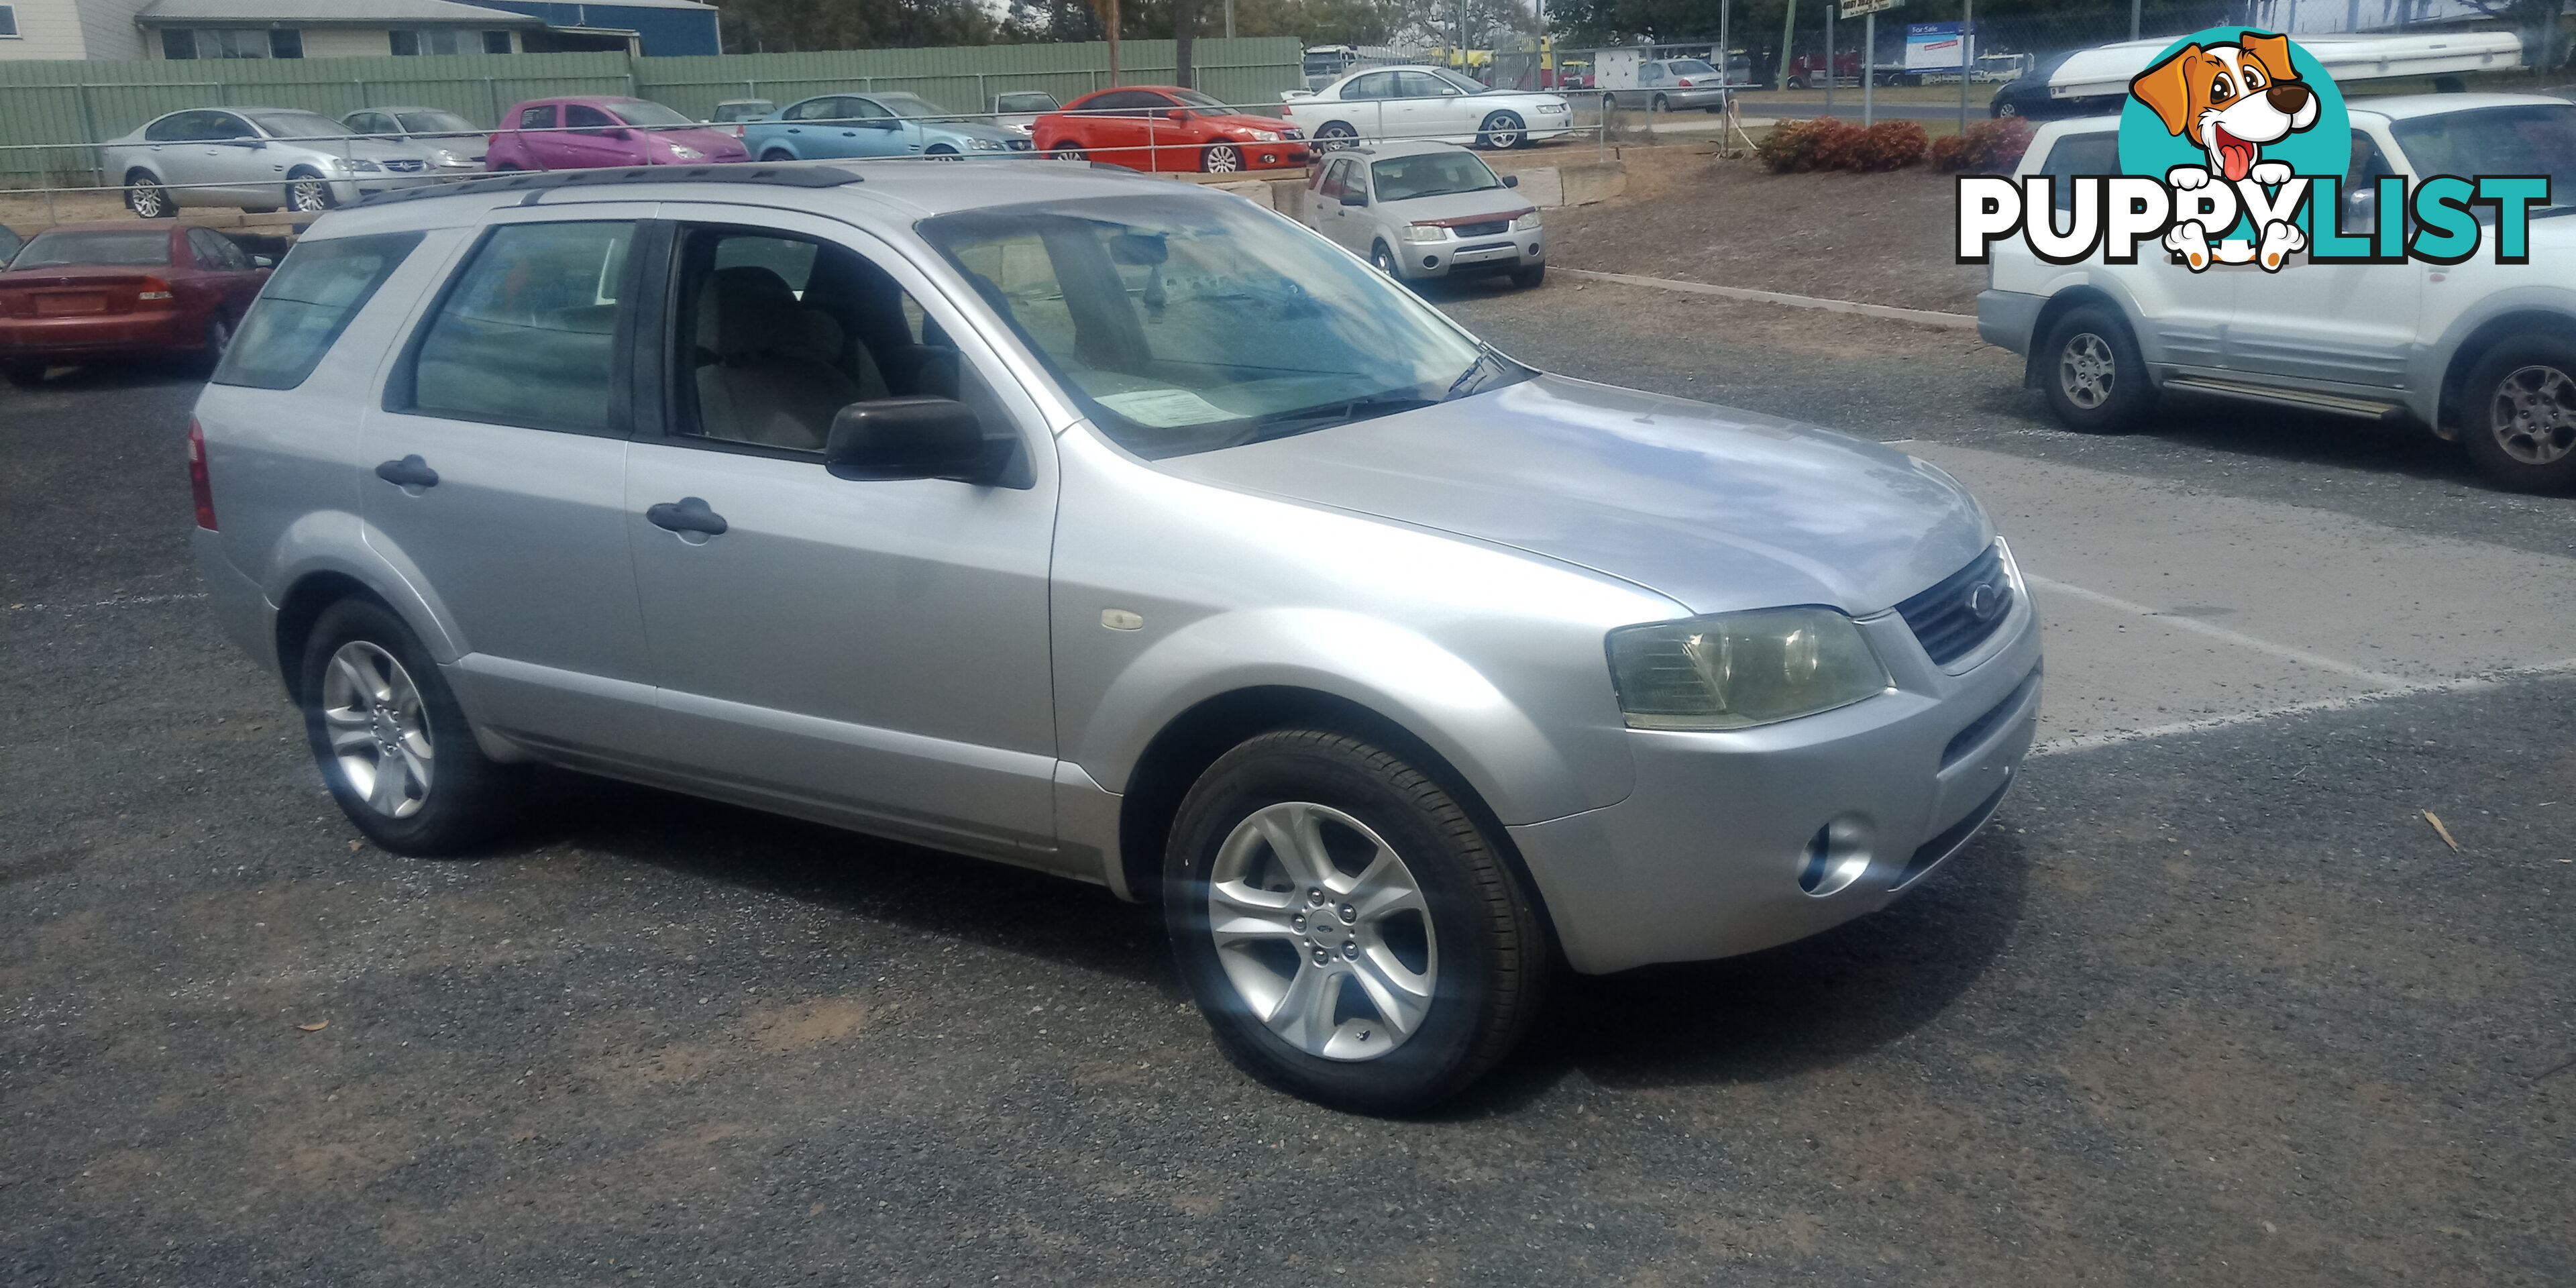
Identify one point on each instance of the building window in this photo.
(8, 22)
(231, 42)
(496, 42)
(445, 40)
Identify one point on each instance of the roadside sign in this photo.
(1857, 8)
(1933, 46)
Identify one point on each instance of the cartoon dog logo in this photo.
(2229, 100)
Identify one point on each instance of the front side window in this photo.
(782, 332)
(540, 117)
(300, 125)
(435, 122)
(588, 120)
(369, 123)
(1373, 85)
(1424, 85)
(307, 303)
(638, 112)
(526, 334)
(912, 105)
(1431, 174)
(1692, 67)
(141, 248)
(1186, 326)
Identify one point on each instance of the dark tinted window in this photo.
(527, 333)
(1031, 102)
(306, 306)
(2097, 153)
(142, 248)
(2523, 139)
(1373, 85)
(496, 42)
(580, 117)
(1128, 101)
(436, 123)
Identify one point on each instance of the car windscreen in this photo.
(1465, 86)
(115, 248)
(911, 105)
(1689, 67)
(1430, 174)
(1199, 100)
(297, 125)
(2535, 138)
(435, 123)
(1025, 103)
(646, 114)
(1189, 325)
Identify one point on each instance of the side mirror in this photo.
(909, 438)
(1511, 181)
(262, 261)
(621, 135)
(1177, 114)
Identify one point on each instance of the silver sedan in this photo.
(258, 159)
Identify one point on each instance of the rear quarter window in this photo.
(307, 303)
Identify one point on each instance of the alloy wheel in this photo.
(1503, 132)
(378, 729)
(2534, 415)
(1338, 965)
(1334, 137)
(2085, 370)
(308, 195)
(147, 199)
(1224, 159)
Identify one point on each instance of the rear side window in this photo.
(2097, 153)
(527, 333)
(537, 118)
(306, 306)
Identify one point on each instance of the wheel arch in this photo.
(302, 606)
(2034, 365)
(2482, 336)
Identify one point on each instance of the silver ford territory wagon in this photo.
(1113, 527)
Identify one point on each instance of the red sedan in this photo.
(82, 292)
(1166, 127)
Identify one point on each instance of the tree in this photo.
(2544, 40)
(780, 26)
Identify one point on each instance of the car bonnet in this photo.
(1716, 508)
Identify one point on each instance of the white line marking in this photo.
(2392, 683)
(128, 601)
(1920, 317)
(2465, 684)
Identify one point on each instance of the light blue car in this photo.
(872, 125)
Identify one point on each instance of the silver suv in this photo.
(1115, 528)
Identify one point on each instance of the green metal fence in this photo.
(67, 106)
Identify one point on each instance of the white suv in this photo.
(2480, 352)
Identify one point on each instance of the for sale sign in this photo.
(1934, 47)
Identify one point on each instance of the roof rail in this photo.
(537, 184)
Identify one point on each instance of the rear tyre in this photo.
(1223, 158)
(2095, 377)
(307, 192)
(1663, 104)
(1530, 277)
(2518, 422)
(1351, 934)
(25, 375)
(145, 196)
(1503, 132)
(778, 154)
(219, 337)
(1335, 136)
(392, 744)
(1069, 154)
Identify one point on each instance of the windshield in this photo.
(2525, 139)
(912, 105)
(1431, 174)
(298, 125)
(1188, 325)
(1199, 100)
(115, 249)
(1465, 86)
(1689, 67)
(435, 123)
(1026, 103)
(647, 114)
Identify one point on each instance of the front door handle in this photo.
(688, 514)
(410, 471)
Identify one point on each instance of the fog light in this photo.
(1431, 261)
(1836, 856)
(1269, 158)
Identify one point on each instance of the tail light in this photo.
(737, 132)
(154, 289)
(199, 488)
(1683, 84)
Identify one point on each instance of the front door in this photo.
(1430, 108)
(871, 130)
(227, 163)
(873, 652)
(593, 140)
(496, 481)
(2351, 324)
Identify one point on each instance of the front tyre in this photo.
(307, 192)
(2095, 377)
(1350, 932)
(1503, 131)
(777, 154)
(1530, 278)
(145, 196)
(392, 743)
(2519, 419)
(1222, 158)
(1335, 136)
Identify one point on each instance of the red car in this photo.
(585, 133)
(1166, 127)
(86, 291)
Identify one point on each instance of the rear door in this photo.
(1364, 103)
(538, 137)
(869, 650)
(496, 478)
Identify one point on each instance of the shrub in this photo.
(1791, 145)
(1888, 145)
(1838, 146)
(1989, 147)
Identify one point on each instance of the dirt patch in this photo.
(1876, 238)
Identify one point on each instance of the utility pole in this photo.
(1725, 65)
(1868, 66)
(1968, 50)
(1830, 6)
(2134, 5)
(1229, 19)
(1788, 33)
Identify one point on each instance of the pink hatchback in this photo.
(585, 133)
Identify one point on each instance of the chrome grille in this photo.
(406, 167)
(1962, 610)
(1481, 230)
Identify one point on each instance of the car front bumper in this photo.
(1703, 858)
(1472, 256)
(2006, 319)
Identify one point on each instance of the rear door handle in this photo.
(410, 471)
(688, 514)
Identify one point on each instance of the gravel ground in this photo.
(2216, 1008)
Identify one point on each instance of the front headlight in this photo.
(1737, 670)
(985, 145)
(1425, 233)
(1526, 224)
(685, 152)
(360, 165)
(1263, 136)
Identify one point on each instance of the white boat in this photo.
(2107, 69)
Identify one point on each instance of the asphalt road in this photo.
(2207, 1004)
